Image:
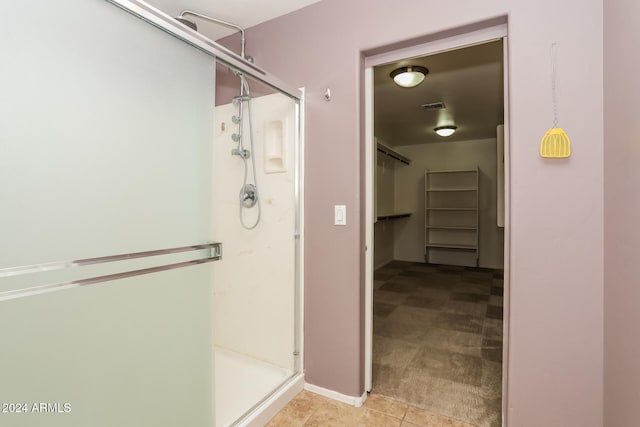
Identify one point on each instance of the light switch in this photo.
(340, 217)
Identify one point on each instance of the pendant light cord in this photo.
(554, 55)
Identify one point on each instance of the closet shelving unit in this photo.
(451, 213)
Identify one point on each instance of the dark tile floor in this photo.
(437, 339)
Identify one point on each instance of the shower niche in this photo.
(276, 147)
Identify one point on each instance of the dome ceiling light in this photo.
(446, 130)
(410, 76)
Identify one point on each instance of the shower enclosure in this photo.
(130, 292)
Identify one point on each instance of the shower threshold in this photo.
(241, 383)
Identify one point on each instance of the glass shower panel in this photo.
(255, 287)
(106, 132)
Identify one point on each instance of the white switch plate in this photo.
(340, 215)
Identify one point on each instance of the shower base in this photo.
(242, 382)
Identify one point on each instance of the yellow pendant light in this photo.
(555, 143)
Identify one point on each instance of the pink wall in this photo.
(556, 331)
(622, 213)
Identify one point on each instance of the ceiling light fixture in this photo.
(446, 130)
(409, 76)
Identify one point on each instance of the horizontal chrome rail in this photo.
(168, 24)
(216, 254)
(35, 268)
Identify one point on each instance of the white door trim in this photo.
(370, 162)
(507, 231)
(457, 41)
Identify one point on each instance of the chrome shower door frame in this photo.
(225, 56)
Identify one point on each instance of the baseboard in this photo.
(356, 401)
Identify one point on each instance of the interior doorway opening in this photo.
(437, 228)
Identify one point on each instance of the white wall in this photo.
(383, 242)
(409, 196)
(254, 281)
(385, 184)
(385, 204)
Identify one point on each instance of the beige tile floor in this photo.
(309, 409)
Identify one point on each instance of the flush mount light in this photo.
(409, 76)
(445, 130)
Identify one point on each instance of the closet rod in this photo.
(392, 153)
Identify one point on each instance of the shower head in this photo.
(218, 21)
(186, 22)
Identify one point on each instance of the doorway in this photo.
(434, 336)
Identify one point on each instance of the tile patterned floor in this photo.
(437, 341)
(309, 409)
(437, 357)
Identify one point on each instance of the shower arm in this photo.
(219, 21)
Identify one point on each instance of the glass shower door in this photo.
(105, 149)
(256, 288)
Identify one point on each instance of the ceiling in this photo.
(245, 13)
(469, 82)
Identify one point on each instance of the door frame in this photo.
(464, 38)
